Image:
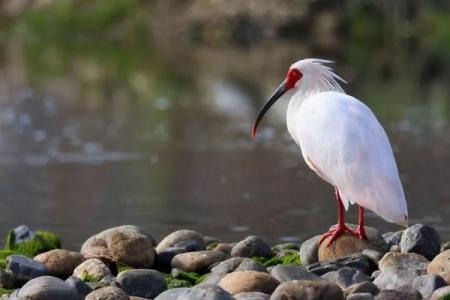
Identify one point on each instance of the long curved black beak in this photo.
(278, 93)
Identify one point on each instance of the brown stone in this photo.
(127, 244)
(59, 262)
(440, 265)
(224, 247)
(305, 289)
(107, 293)
(197, 261)
(248, 281)
(343, 246)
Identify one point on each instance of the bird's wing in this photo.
(346, 145)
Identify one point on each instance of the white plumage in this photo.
(342, 140)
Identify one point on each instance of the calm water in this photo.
(95, 134)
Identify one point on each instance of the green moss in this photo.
(173, 283)
(3, 255)
(4, 291)
(211, 246)
(86, 277)
(292, 257)
(201, 278)
(123, 267)
(42, 242)
(446, 297)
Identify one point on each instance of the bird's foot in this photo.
(341, 229)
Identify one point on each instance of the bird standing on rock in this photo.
(343, 142)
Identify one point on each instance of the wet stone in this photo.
(309, 250)
(305, 289)
(421, 239)
(284, 273)
(398, 295)
(427, 284)
(142, 283)
(248, 281)
(47, 287)
(197, 261)
(24, 268)
(346, 277)
(250, 247)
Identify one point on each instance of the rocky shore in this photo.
(125, 262)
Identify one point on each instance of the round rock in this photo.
(59, 262)
(197, 261)
(107, 293)
(252, 296)
(248, 281)
(305, 289)
(427, 284)
(309, 250)
(421, 239)
(440, 265)
(47, 287)
(205, 292)
(127, 244)
(181, 236)
(24, 268)
(441, 293)
(142, 283)
(360, 296)
(82, 288)
(347, 244)
(406, 261)
(171, 294)
(92, 269)
(250, 247)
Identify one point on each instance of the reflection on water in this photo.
(99, 132)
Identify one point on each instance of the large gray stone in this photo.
(440, 293)
(421, 239)
(142, 283)
(24, 268)
(250, 247)
(126, 244)
(305, 289)
(405, 261)
(395, 279)
(284, 273)
(357, 261)
(393, 238)
(309, 250)
(346, 277)
(47, 288)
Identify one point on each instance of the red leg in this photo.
(360, 230)
(340, 227)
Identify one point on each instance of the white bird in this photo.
(343, 142)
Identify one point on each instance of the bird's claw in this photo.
(339, 230)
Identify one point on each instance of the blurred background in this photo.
(139, 112)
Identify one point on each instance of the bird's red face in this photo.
(292, 77)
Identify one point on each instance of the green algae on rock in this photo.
(43, 241)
